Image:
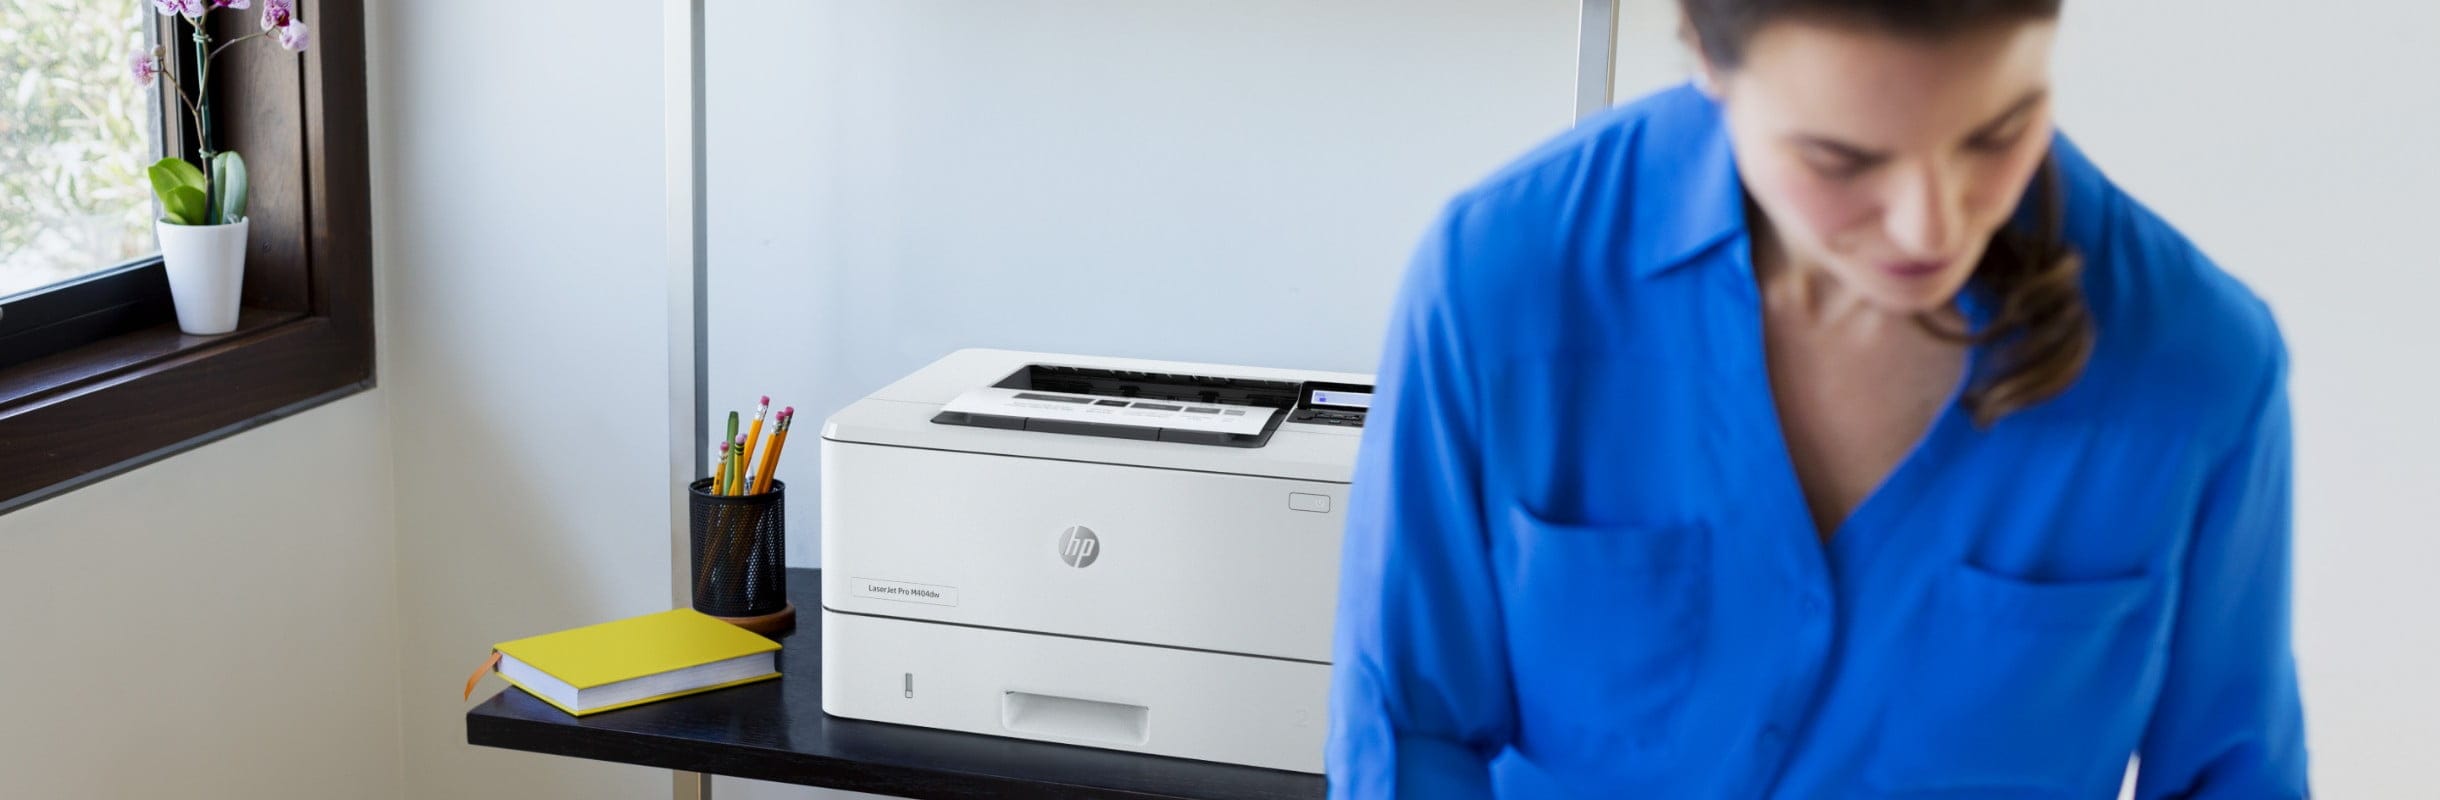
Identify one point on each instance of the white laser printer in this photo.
(1119, 553)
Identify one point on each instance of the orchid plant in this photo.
(213, 191)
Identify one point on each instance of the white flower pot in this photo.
(206, 266)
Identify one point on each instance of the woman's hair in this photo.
(2040, 331)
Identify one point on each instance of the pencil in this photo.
(754, 480)
(720, 474)
(721, 485)
(779, 440)
(745, 461)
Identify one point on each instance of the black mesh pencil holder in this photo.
(739, 547)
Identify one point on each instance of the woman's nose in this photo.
(1925, 220)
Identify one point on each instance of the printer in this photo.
(1109, 552)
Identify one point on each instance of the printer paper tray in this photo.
(1264, 712)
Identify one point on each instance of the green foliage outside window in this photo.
(75, 136)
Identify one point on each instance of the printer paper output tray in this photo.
(1183, 408)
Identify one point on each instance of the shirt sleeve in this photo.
(1420, 695)
(2230, 720)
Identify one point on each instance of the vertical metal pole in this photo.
(1596, 57)
(690, 437)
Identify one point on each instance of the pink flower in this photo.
(238, 4)
(144, 65)
(191, 9)
(294, 36)
(280, 16)
(276, 13)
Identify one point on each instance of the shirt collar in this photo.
(1687, 197)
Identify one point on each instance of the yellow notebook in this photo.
(635, 661)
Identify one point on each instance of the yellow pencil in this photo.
(745, 460)
(779, 441)
(770, 461)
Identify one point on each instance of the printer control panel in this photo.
(1343, 404)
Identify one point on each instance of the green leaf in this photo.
(176, 172)
(162, 179)
(181, 188)
(169, 175)
(229, 180)
(183, 205)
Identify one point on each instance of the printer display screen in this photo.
(1341, 404)
(1342, 398)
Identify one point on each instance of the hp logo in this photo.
(1078, 546)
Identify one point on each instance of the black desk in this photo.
(776, 731)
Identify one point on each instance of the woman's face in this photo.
(1885, 160)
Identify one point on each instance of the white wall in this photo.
(517, 166)
(1235, 181)
(2294, 143)
(285, 613)
(218, 624)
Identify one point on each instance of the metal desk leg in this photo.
(690, 786)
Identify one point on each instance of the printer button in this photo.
(1316, 503)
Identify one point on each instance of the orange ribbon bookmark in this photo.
(477, 677)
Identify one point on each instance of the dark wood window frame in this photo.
(305, 334)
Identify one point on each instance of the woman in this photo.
(1830, 428)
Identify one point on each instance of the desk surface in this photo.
(776, 731)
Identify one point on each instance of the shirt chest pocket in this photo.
(1605, 626)
(2012, 682)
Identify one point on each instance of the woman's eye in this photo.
(1837, 167)
(1995, 144)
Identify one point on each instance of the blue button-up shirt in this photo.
(1578, 562)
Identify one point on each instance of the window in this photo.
(75, 134)
(95, 378)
